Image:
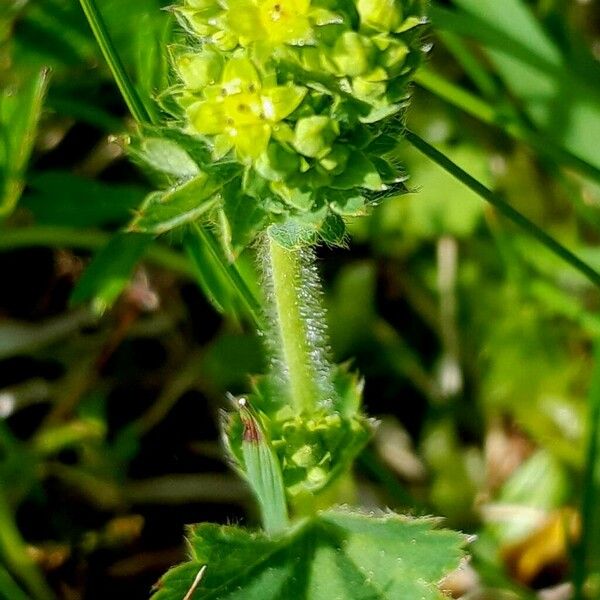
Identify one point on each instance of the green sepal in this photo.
(183, 203)
(167, 154)
(314, 136)
(360, 173)
(241, 218)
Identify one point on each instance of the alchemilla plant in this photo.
(303, 98)
(284, 114)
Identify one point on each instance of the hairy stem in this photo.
(297, 341)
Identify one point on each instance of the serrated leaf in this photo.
(110, 270)
(337, 555)
(184, 203)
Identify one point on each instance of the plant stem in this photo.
(503, 207)
(589, 486)
(298, 321)
(15, 554)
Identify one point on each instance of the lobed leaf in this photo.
(337, 555)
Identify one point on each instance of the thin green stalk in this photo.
(503, 207)
(481, 110)
(297, 330)
(589, 495)
(15, 554)
(140, 112)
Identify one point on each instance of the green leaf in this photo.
(333, 230)
(20, 110)
(338, 555)
(61, 198)
(110, 270)
(184, 203)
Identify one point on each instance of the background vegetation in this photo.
(475, 341)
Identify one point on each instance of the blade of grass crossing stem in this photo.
(503, 207)
(590, 530)
(471, 65)
(140, 111)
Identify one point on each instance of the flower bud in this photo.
(335, 161)
(277, 163)
(394, 57)
(381, 15)
(199, 70)
(314, 136)
(353, 54)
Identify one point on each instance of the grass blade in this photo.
(14, 551)
(589, 506)
(9, 589)
(136, 106)
(20, 113)
(503, 207)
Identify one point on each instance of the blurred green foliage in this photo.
(475, 341)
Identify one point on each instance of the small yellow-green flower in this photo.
(242, 110)
(274, 21)
(268, 22)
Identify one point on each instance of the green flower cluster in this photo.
(314, 449)
(297, 92)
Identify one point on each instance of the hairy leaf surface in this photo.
(338, 555)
